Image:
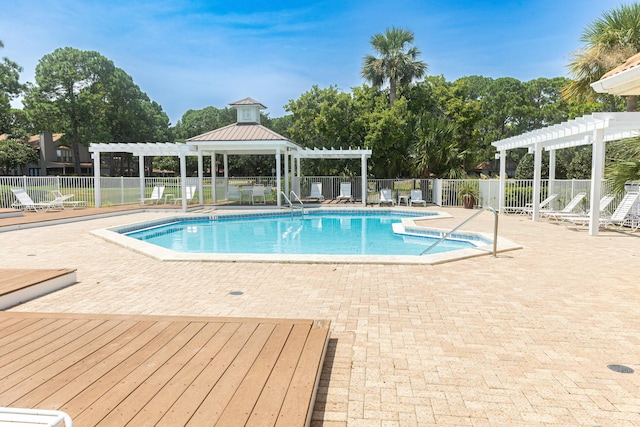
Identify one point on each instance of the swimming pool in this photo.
(341, 236)
(345, 233)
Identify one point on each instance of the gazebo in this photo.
(246, 136)
(595, 129)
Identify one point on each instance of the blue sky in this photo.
(192, 54)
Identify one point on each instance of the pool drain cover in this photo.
(236, 293)
(621, 369)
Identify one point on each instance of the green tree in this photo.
(436, 151)
(10, 88)
(15, 154)
(68, 96)
(397, 62)
(623, 162)
(608, 42)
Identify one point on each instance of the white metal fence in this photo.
(444, 192)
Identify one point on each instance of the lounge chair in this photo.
(189, 193)
(605, 201)
(25, 202)
(569, 208)
(345, 192)
(528, 208)
(64, 198)
(316, 191)
(156, 195)
(621, 217)
(386, 197)
(416, 198)
(257, 193)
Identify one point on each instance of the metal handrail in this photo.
(295, 197)
(449, 233)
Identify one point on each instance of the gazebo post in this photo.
(214, 167)
(286, 172)
(200, 178)
(278, 180)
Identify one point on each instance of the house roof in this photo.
(623, 80)
(34, 140)
(634, 61)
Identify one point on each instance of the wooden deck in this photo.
(147, 370)
(19, 285)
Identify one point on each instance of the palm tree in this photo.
(608, 42)
(397, 63)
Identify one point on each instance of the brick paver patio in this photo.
(522, 339)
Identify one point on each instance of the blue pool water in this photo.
(334, 234)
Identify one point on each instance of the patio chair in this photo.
(416, 198)
(621, 217)
(65, 200)
(386, 198)
(569, 208)
(156, 195)
(25, 202)
(189, 194)
(316, 191)
(345, 192)
(257, 193)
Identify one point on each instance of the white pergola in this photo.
(595, 129)
(245, 137)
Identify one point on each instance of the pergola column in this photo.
(552, 171)
(183, 180)
(141, 167)
(214, 168)
(96, 178)
(597, 171)
(537, 175)
(503, 180)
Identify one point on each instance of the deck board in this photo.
(148, 370)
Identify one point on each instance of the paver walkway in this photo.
(522, 339)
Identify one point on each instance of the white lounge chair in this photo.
(156, 195)
(528, 208)
(621, 217)
(345, 192)
(416, 198)
(257, 193)
(386, 198)
(189, 193)
(605, 201)
(569, 208)
(64, 198)
(316, 191)
(25, 202)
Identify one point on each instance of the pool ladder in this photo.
(449, 233)
(294, 196)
